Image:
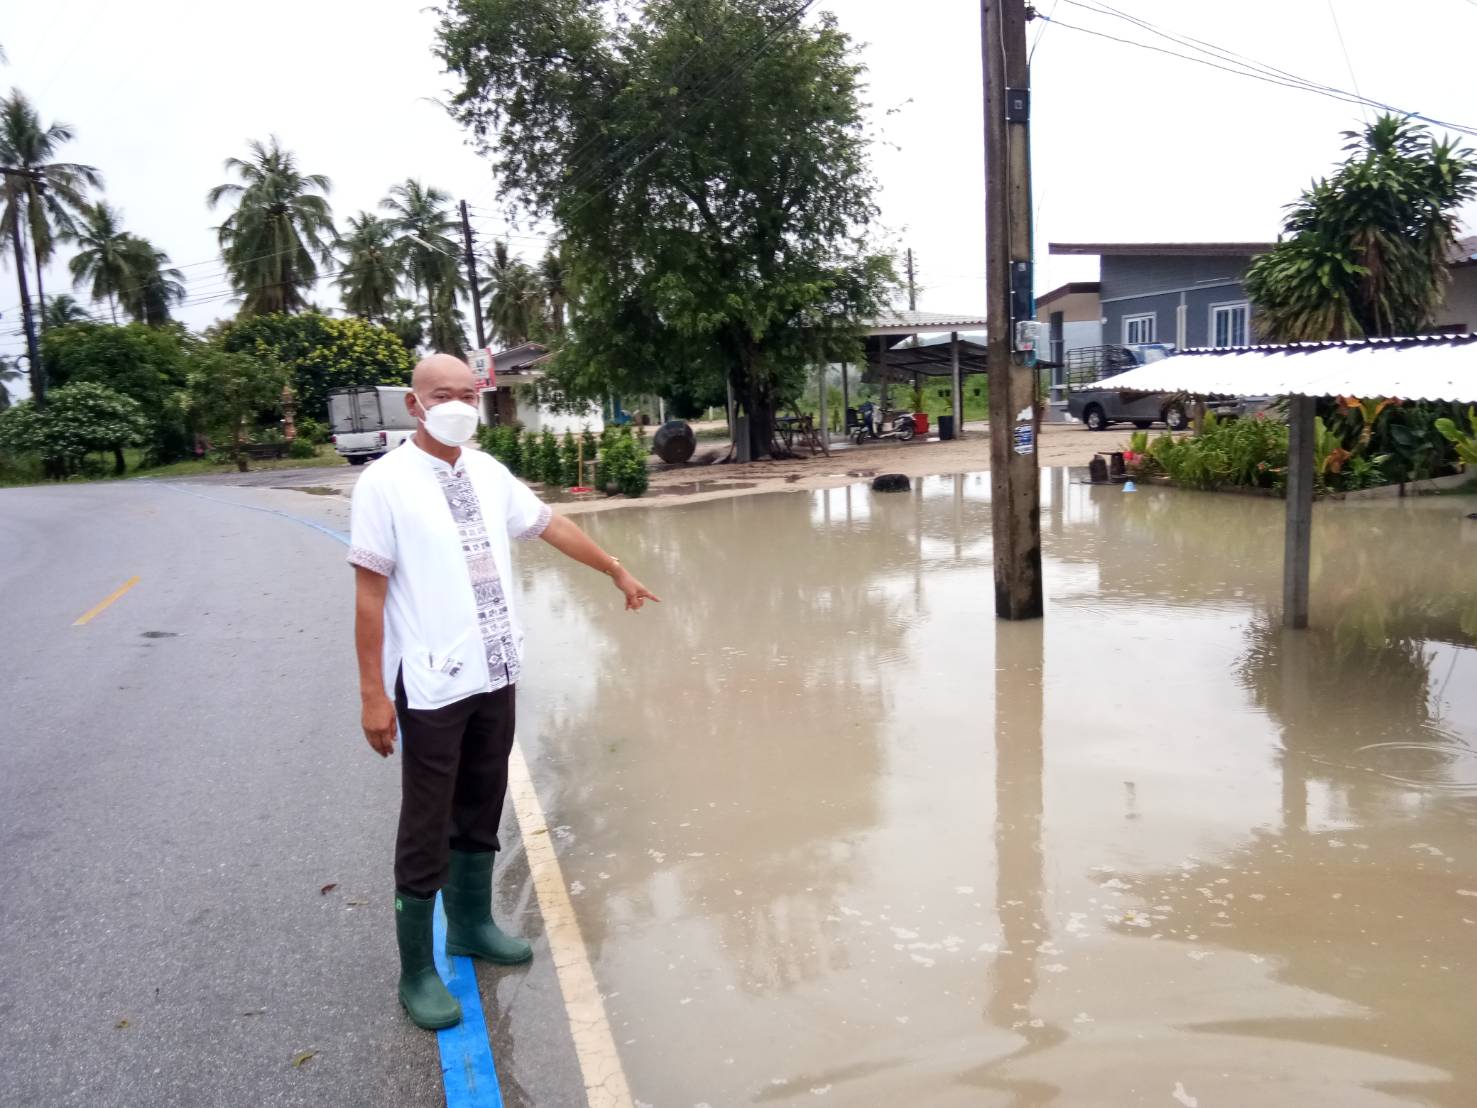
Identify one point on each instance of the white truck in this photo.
(368, 420)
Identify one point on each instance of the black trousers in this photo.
(453, 779)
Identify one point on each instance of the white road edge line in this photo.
(594, 1044)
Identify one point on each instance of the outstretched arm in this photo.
(565, 536)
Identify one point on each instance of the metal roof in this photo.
(920, 323)
(1423, 367)
(1197, 249)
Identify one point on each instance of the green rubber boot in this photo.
(425, 997)
(469, 926)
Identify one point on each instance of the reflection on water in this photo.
(834, 831)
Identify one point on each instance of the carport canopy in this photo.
(1423, 367)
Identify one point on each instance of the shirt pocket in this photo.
(436, 677)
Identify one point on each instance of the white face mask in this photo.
(451, 422)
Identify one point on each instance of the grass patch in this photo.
(26, 470)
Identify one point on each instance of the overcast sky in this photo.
(1127, 145)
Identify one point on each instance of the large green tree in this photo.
(51, 193)
(706, 166)
(281, 230)
(126, 270)
(1366, 250)
(320, 353)
(147, 364)
(79, 419)
(425, 226)
(229, 391)
(370, 279)
(63, 309)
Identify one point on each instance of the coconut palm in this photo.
(154, 286)
(106, 254)
(554, 279)
(514, 295)
(370, 277)
(422, 220)
(48, 196)
(448, 323)
(408, 321)
(63, 309)
(281, 229)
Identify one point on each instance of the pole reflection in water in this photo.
(1025, 935)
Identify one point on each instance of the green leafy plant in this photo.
(548, 465)
(302, 448)
(569, 460)
(1245, 453)
(623, 466)
(79, 419)
(1364, 473)
(1466, 444)
(228, 392)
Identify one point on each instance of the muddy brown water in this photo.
(837, 836)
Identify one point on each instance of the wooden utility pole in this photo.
(33, 352)
(471, 259)
(1014, 477)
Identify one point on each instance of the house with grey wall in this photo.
(1186, 293)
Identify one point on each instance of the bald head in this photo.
(437, 371)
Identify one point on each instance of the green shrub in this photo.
(623, 465)
(548, 465)
(310, 430)
(1242, 453)
(569, 460)
(302, 448)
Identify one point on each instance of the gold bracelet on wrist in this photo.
(615, 564)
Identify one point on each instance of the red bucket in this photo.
(920, 422)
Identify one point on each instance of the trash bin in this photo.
(946, 427)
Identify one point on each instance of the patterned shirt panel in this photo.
(493, 619)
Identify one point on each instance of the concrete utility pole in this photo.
(33, 353)
(1015, 480)
(1297, 546)
(912, 291)
(472, 276)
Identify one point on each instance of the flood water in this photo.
(835, 835)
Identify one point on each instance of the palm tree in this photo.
(514, 294)
(408, 320)
(423, 222)
(281, 228)
(370, 278)
(62, 310)
(448, 323)
(153, 286)
(106, 254)
(49, 195)
(1366, 250)
(555, 281)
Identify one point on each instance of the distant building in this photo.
(523, 394)
(1458, 316)
(1071, 319)
(1186, 293)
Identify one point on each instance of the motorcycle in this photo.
(895, 425)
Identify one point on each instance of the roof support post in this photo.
(958, 392)
(1297, 552)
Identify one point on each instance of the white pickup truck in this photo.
(368, 420)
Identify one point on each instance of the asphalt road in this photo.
(181, 780)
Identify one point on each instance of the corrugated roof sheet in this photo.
(920, 322)
(1427, 367)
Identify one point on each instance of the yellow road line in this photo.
(112, 596)
(594, 1045)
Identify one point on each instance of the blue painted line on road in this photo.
(314, 524)
(468, 1073)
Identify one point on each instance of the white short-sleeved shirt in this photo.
(404, 526)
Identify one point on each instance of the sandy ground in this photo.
(1060, 445)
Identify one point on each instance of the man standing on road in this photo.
(440, 648)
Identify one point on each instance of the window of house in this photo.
(1229, 326)
(1138, 328)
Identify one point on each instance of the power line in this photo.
(1247, 67)
(1348, 62)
